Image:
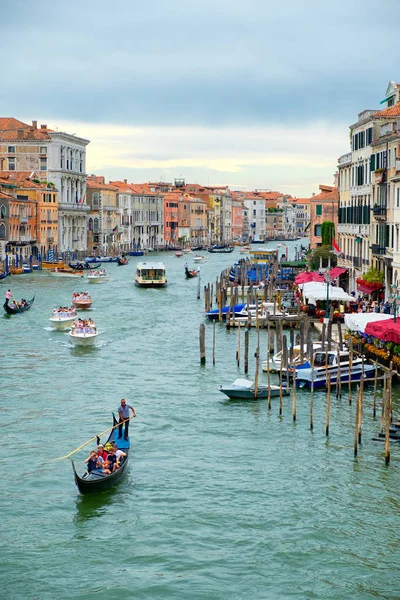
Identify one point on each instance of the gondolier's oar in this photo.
(94, 438)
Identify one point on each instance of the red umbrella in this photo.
(386, 331)
(307, 277)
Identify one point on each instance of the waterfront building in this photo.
(256, 216)
(103, 219)
(237, 221)
(148, 202)
(59, 158)
(323, 207)
(171, 219)
(302, 216)
(273, 223)
(18, 212)
(125, 214)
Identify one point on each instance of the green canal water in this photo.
(222, 500)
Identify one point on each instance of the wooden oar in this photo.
(93, 438)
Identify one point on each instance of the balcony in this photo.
(49, 240)
(23, 220)
(378, 249)
(379, 212)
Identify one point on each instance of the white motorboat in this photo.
(243, 389)
(274, 364)
(66, 272)
(98, 276)
(198, 258)
(62, 319)
(83, 334)
(82, 300)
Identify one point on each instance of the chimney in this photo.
(125, 181)
(20, 134)
(43, 126)
(34, 124)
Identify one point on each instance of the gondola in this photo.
(221, 249)
(96, 482)
(21, 309)
(4, 275)
(190, 274)
(83, 264)
(122, 261)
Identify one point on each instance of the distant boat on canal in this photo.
(243, 389)
(150, 274)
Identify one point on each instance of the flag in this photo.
(335, 247)
(115, 229)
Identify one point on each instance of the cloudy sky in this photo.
(253, 94)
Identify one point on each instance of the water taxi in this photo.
(98, 276)
(326, 362)
(150, 275)
(62, 318)
(83, 333)
(264, 255)
(199, 258)
(82, 300)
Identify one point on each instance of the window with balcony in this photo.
(11, 163)
(43, 164)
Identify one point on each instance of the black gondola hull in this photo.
(17, 311)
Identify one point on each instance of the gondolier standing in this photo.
(123, 413)
(8, 296)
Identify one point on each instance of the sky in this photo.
(252, 94)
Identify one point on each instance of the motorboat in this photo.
(62, 318)
(236, 309)
(244, 312)
(274, 364)
(136, 253)
(82, 300)
(27, 268)
(326, 362)
(178, 253)
(98, 276)
(150, 274)
(83, 333)
(221, 249)
(243, 389)
(245, 249)
(65, 272)
(198, 258)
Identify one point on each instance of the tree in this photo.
(323, 252)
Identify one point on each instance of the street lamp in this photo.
(327, 279)
(394, 297)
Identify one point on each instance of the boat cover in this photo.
(243, 383)
(359, 321)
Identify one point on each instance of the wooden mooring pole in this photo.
(202, 344)
(213, 352)
(246, 350)
(328, 403)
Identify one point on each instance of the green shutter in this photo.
(372, 162)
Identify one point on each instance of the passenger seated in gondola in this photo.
(101, 452)
(93, 462)
(105, 467)
(113, 460)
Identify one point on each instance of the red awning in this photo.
(307, 277)
(386, 331)
(365, 289)
(337, 272)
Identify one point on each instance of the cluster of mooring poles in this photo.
(300, 334)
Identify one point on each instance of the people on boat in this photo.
(8, 296)
(123, 413)
(118, 452)
(102, 452)
(113, 460)
(93, 461)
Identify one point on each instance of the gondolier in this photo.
(8, 296)
(123, 413)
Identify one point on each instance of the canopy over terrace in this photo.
(314, 291)
(317, 277)
(386, 331)
(359, 321)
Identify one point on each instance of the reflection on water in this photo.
(90, 506)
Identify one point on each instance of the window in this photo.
(318, 210)
(43, 150)
(317, 230)
(3, 211)
(11, 149)
(96, 225)
(11, 164)
(2, 231)
(398, 198)
(43, 164)
(95, 199)
(90, 225)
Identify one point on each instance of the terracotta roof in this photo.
(97, 182)
(6, 196)
(327, 193)
(392, 111)
(12, 130)
(21, 178)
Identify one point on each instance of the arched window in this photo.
(90, 224)
(2, 231)
(95, 199)
(96, 225)
(3, 212)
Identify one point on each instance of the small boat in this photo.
(187, 249)
(150, 275)
(66, 272)
(221, 249)
(274, 364)
(96, 481)
(83, 265)
(82, 300)
(198, 258)
(122, 261)
(26, 268)
(16, 270)
(53, 265)
(178, 253)
(327, 362)
(245, 249)
(136, 253)
(98, 276)
(83, 333)
(62, 319)
(189, 274)
(15, 310)
(4, 275)
(243, 389)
